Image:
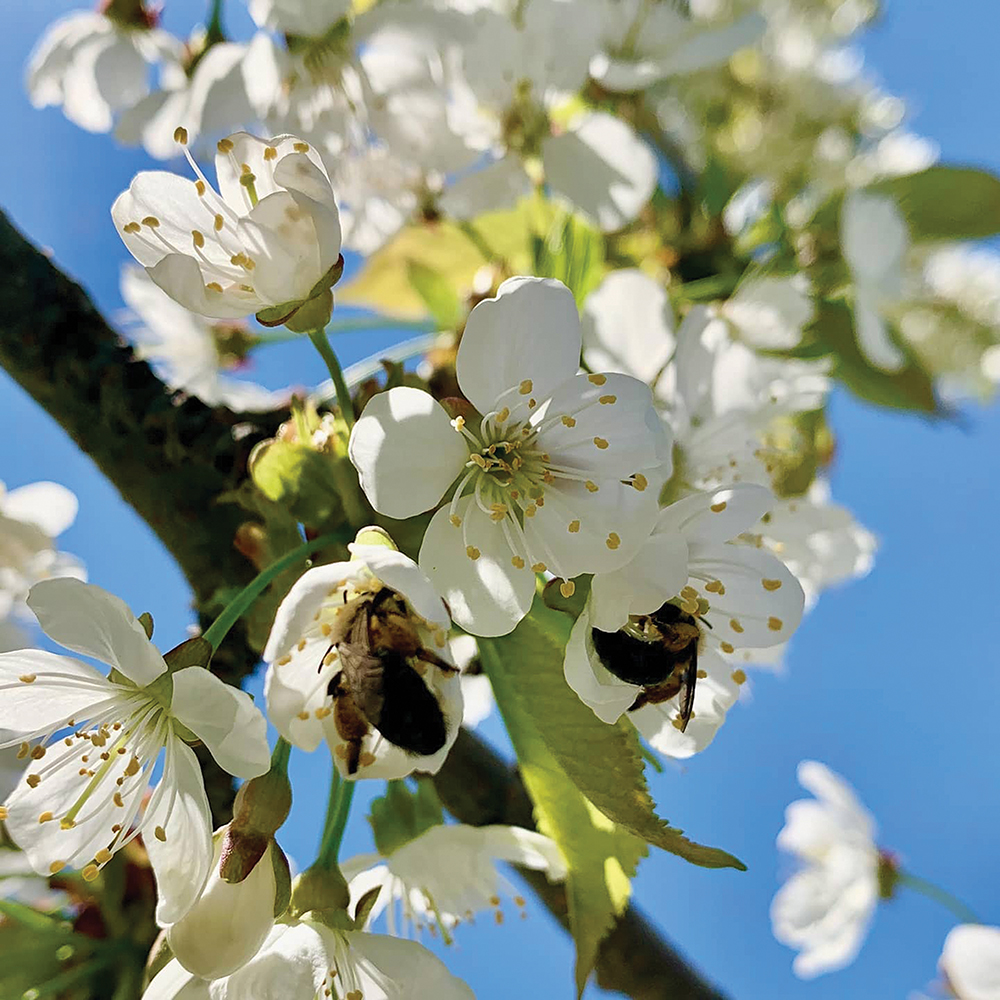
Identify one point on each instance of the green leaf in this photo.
(910, 388)
(437, 292)
(601, 858)
(400, 815)
(947, 203)
(573, 252)
(604, 762)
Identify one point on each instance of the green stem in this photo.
(337, 811)
(232, 612)
(710, 288)
(939, 895)
(318, 337)
(279, 756)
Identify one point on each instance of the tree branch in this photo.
(170, 457)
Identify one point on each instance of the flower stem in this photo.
(337, 811)
(279, 756)
(234, 610)
(939, 895)
(318, 337)
(213, 26)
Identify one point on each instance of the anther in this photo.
(601, 443)
(224, 145)
(23, 750)
(639, 481)
(132, 767)
(770, 584)
(718, 508)
(567, 588)
(66, 824)
(592, 486)
(301, 147)
(181, 135)
(90, 873)
(607, 400)
(3, 813)
(199, 186)
(160, 834)
(304, 716)
(33, 780)
(597, 379)
(525, 387)
(214, 286)
(539, 567)
(613, 540)
(38, 753)
(219, 222)
(736, 626)
(472, 552)
(28, 678)
(132, 227)
(46, 817)
(152, 221)
(118, 801)
(775, 624)
(568, 420)
(270, 153)
(517, 562)
(455, 520)
(739, 676)
(573, 527)
(56, 866)
(103, 856)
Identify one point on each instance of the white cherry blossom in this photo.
(184, 347)
(823, 910)
(550, 471)
(740, 598)
(95, 66)
(269, 241)
(80, 798)
(448, 874)
(302, 657)
(874, 239)
(308, 960)
(970, 962)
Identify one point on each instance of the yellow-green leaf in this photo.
(601, 858)
(604, 762)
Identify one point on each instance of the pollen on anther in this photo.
(568, 420)
(525, 387)
(152, 221)
(597, 379)
(198, 238)
(23, 750)
(28, 678)
(90, 873)
(592, 487)
(38, 752)
(503, 415)
(770, 584)
(33, 780)
(739, 676)
(304, 715)
(736, 626)
(613, 540)
(199, 186)
(601, 443)
(219, 222)
(301, 147)
(132, 767)
(530, 510)
(573, 527)
(224, 145)
(103, 856)
(775, 624)
(214, 286)
(517, 562)
(270, 153)
(455, 520)
(118, 800)
(472, 552)
(718, 508)
(160, 834)
(539, 567)
(132, 227)
(727, 647)
(45, 817)
(181, 135)
(567, 588)
(607, 400)
(56, 866)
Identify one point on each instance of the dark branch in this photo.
(170, 457)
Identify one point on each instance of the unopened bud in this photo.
(374, 535)
(321, 890)
(227, 925)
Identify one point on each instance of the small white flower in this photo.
(80, 798)
(874, 239)
(448, 874)
(306, 960)
(770, 312)
(31, 517)
(270, 239)
(228, 923)
(95, 66)
(970, 962)
(183, 347)
(823, 911)
(550, 476)
(309, 694)
(736, 596)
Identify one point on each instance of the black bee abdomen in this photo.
(411, 717)
(633, 660)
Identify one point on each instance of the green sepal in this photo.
(146, 621)
(401, 816)
(299, 478)
(364, 907)
(194, 652)
(322, 891)
(282, 880)
(313, 314)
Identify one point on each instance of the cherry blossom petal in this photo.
(244, 148)
(406, 451)
(761, 604)
(56, 688)
(174, 982)
(716, 517)
(224, 718)
(771, 312)
(182, 279)
(602, 167)
(400, 573)
(526, 337)
(92, 622)
(496, 186)
(471, 567)
(296, 689)
(48, 505)
(177, 832)
(628, 325)
(655, 574)
(610, 427)
(971, 961)
(607, 696)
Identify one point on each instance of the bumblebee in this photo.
(657, 652)
(379, 684)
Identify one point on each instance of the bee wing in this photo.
(685, 697)
(363, 672)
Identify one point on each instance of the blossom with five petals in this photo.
(970, 962)
(550, 473)
(81, 795)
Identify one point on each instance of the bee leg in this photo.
(428, 656)
(657, 694)
(353, 756)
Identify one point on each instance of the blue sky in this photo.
(892, 681)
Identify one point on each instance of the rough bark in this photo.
(170, 457)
